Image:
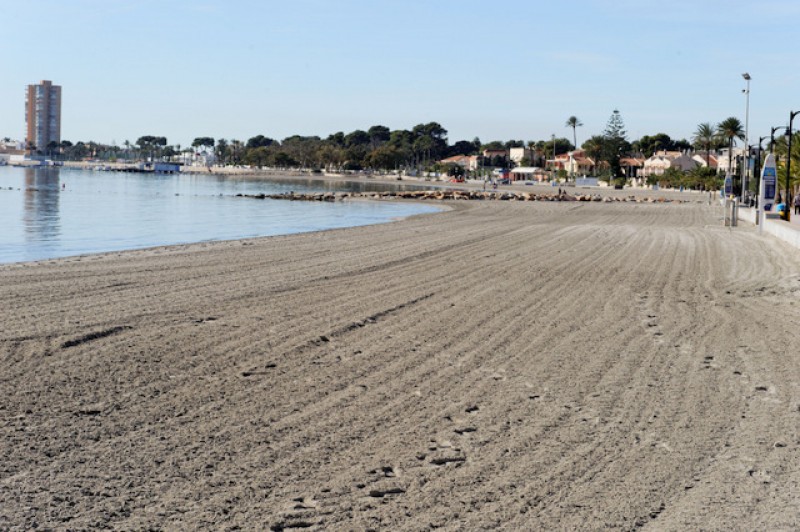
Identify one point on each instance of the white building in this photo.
(518, 154)
(663, 160)
(722, 160)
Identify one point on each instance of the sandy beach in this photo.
(523, 366)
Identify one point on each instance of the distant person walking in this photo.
(797, 204)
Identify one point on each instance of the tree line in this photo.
(421, 147)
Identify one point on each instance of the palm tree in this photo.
(704, 137)
(729, 129)
(574, 123)
(593, 147)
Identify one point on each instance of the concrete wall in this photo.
(774, 226)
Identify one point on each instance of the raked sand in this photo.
(527, 366)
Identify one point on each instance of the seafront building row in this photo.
(577, 162)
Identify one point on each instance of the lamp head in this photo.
(746, 76)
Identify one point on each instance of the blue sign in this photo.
(769, 186)
(769, 181)
(728, 185)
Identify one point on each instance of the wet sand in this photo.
(512, 365)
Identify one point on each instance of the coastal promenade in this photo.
(526, 365)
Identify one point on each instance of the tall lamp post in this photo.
(746, 91)
(787, 209)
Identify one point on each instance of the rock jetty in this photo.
(446, 194)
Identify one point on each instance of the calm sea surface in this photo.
(57, 212)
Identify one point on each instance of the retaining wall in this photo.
(774, 226)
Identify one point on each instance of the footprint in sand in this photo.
(443, 453)
(708, 362)
(383, 482)
(301, 512)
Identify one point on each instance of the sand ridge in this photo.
(512, 365)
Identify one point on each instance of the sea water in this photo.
(51, 212)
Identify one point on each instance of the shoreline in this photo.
(497, 364)
(65, 244)
(270, 174)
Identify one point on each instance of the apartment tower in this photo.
(43, 114)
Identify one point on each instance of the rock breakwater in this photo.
(444, 194)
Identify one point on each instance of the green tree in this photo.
(52, 146)
(337, 139)
(259, 141)
(403, 141)
(780, 151)
(454, 170)
(731, 129)
(384, 158)
(331, 156)
(650, 144)
(355, 156)
(615, 143)
(703, 178)
(378, 135)
(593, 146)
(65, 148)
(301, 150)
(151, 146)
(222, 151)
(430, 142)
(574, 123)
(168, 151)
(283, 160)
(494, 145)
(462, 147)
(357, 138)
(236, 151)
(562, 145)
(704, 138)
(203, 143)
(672, 178)
(258, 156)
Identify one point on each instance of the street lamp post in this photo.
(772, 137)
(787, 201)
(747, 78)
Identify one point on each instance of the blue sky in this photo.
(506, 69)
